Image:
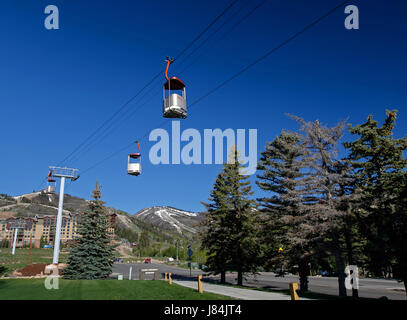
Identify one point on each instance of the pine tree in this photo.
(282, 165)
(91, 257)
(230, 235)
(380, 172)
(215, 235)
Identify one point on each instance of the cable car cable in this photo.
(273, 50)
(148, 83)
(217, 30)
(206, 29)
(101, 138)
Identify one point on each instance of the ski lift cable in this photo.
(148, 83)
(222, 84)
(220, 28)
(126, 116)
(93, 137)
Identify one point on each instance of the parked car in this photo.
(119, 260)
(148, 260)
(48, 246)
(170, 259)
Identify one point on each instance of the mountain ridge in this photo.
(160, 221)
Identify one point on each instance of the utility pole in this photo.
(13, 251)
(61, 173)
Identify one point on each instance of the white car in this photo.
(170, 259)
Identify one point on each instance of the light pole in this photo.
(61, 173)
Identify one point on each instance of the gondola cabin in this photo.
(51, 183)
(174, 96)
(134, 166)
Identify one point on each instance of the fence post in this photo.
(200, 289)
(293, 291)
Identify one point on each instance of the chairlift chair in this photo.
(174, 95)
(134, 167)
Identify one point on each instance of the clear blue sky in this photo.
(58, 86)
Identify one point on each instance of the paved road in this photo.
(369, 288)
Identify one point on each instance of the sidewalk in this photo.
(238, 293)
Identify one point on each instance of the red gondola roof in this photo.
(176, 84)
(134, 155)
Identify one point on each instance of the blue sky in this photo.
(58, 86)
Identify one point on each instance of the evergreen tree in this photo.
(230, 234)
(283, 166)
(380, 172)
(91, 257)
(215, 234)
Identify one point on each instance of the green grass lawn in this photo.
(34, 289)
(9, 263)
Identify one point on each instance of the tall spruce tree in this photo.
(283, 173)
(231, 231)
(91, 257)
(215, 235)
(380, 172)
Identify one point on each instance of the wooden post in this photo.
(200, 289)
(165, 276)
(29, 250)
(169, 278)
(293, 291)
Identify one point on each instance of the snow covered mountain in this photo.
(169, 218)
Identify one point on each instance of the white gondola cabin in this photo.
(174, 96)
(134, 167)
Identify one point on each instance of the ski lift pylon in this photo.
(134, 167)
(174, 95)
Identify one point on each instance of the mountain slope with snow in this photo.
(169, 218)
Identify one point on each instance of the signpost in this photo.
(190, 253)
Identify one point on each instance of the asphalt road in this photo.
(368, 288)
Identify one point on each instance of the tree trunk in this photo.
(240, 278)
(303, 272)
(223, 277)
(340, 266)
(405, 284)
